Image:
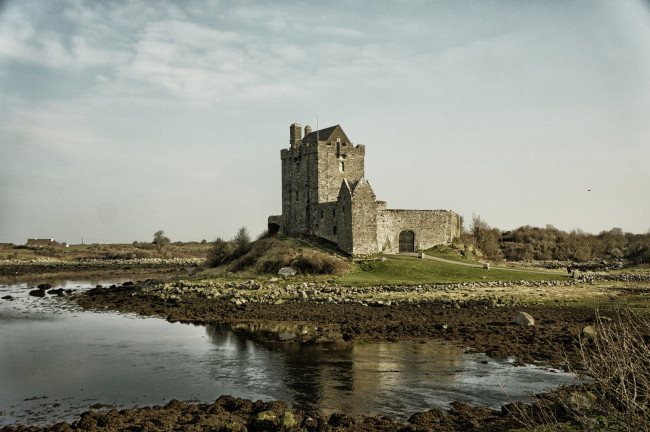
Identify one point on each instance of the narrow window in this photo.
(334, 213)
(334, 230)
(322, 214)
(341, 166)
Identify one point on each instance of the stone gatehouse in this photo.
(325, 193)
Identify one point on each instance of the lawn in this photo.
(406, 270)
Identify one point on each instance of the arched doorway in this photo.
(406, 241)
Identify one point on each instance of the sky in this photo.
(122, 118)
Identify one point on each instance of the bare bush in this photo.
(160, 239)
(242, 242)
(614, 392)
(219, 253)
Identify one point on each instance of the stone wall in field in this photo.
(429, 228)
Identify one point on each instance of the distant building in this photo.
(325, 193)
(36, 242)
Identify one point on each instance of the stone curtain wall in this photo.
(431, 228)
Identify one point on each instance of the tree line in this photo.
(549, 243)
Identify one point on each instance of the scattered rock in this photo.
(7, 297)
(288, 420)
(37, 293)
(235, 427)
(524, 319)
(589, 332)
(44, 286)
(265, 416)
(287, 272)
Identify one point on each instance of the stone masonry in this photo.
(325, 193)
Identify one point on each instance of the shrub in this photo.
(220, 252)
(321, 263)
(242, 242)
(280, 256)
(160, 239)
(257, 250)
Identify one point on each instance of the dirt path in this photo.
(443, 260)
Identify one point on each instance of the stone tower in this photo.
(313, 169)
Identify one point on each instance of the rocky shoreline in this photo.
(228, 414)
(43, 266)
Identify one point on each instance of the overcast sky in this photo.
(122, 118)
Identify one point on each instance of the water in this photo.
(57, 361)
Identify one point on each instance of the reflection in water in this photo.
(394, 379)
(58, 360)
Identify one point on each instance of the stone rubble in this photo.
(251, 291)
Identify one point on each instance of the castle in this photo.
(325, 193)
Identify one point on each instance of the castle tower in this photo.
(313, 168)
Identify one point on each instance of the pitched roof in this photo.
(362, 184)
(323, 134)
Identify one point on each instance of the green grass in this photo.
(405, 270)
(450, 257)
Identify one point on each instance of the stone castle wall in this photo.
(336, 162)
(431, 228)
(299, 187)
(358, 205)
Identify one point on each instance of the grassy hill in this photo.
(317, 259)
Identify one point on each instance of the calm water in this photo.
(57, 361)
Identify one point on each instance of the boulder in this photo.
(37, 293)
(287, 272)
(288, 420)
(524, 319)
(589, 332)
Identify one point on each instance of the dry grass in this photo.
(316, 262)
(614, 392)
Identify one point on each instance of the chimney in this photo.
(295, 133)
(307, 130)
